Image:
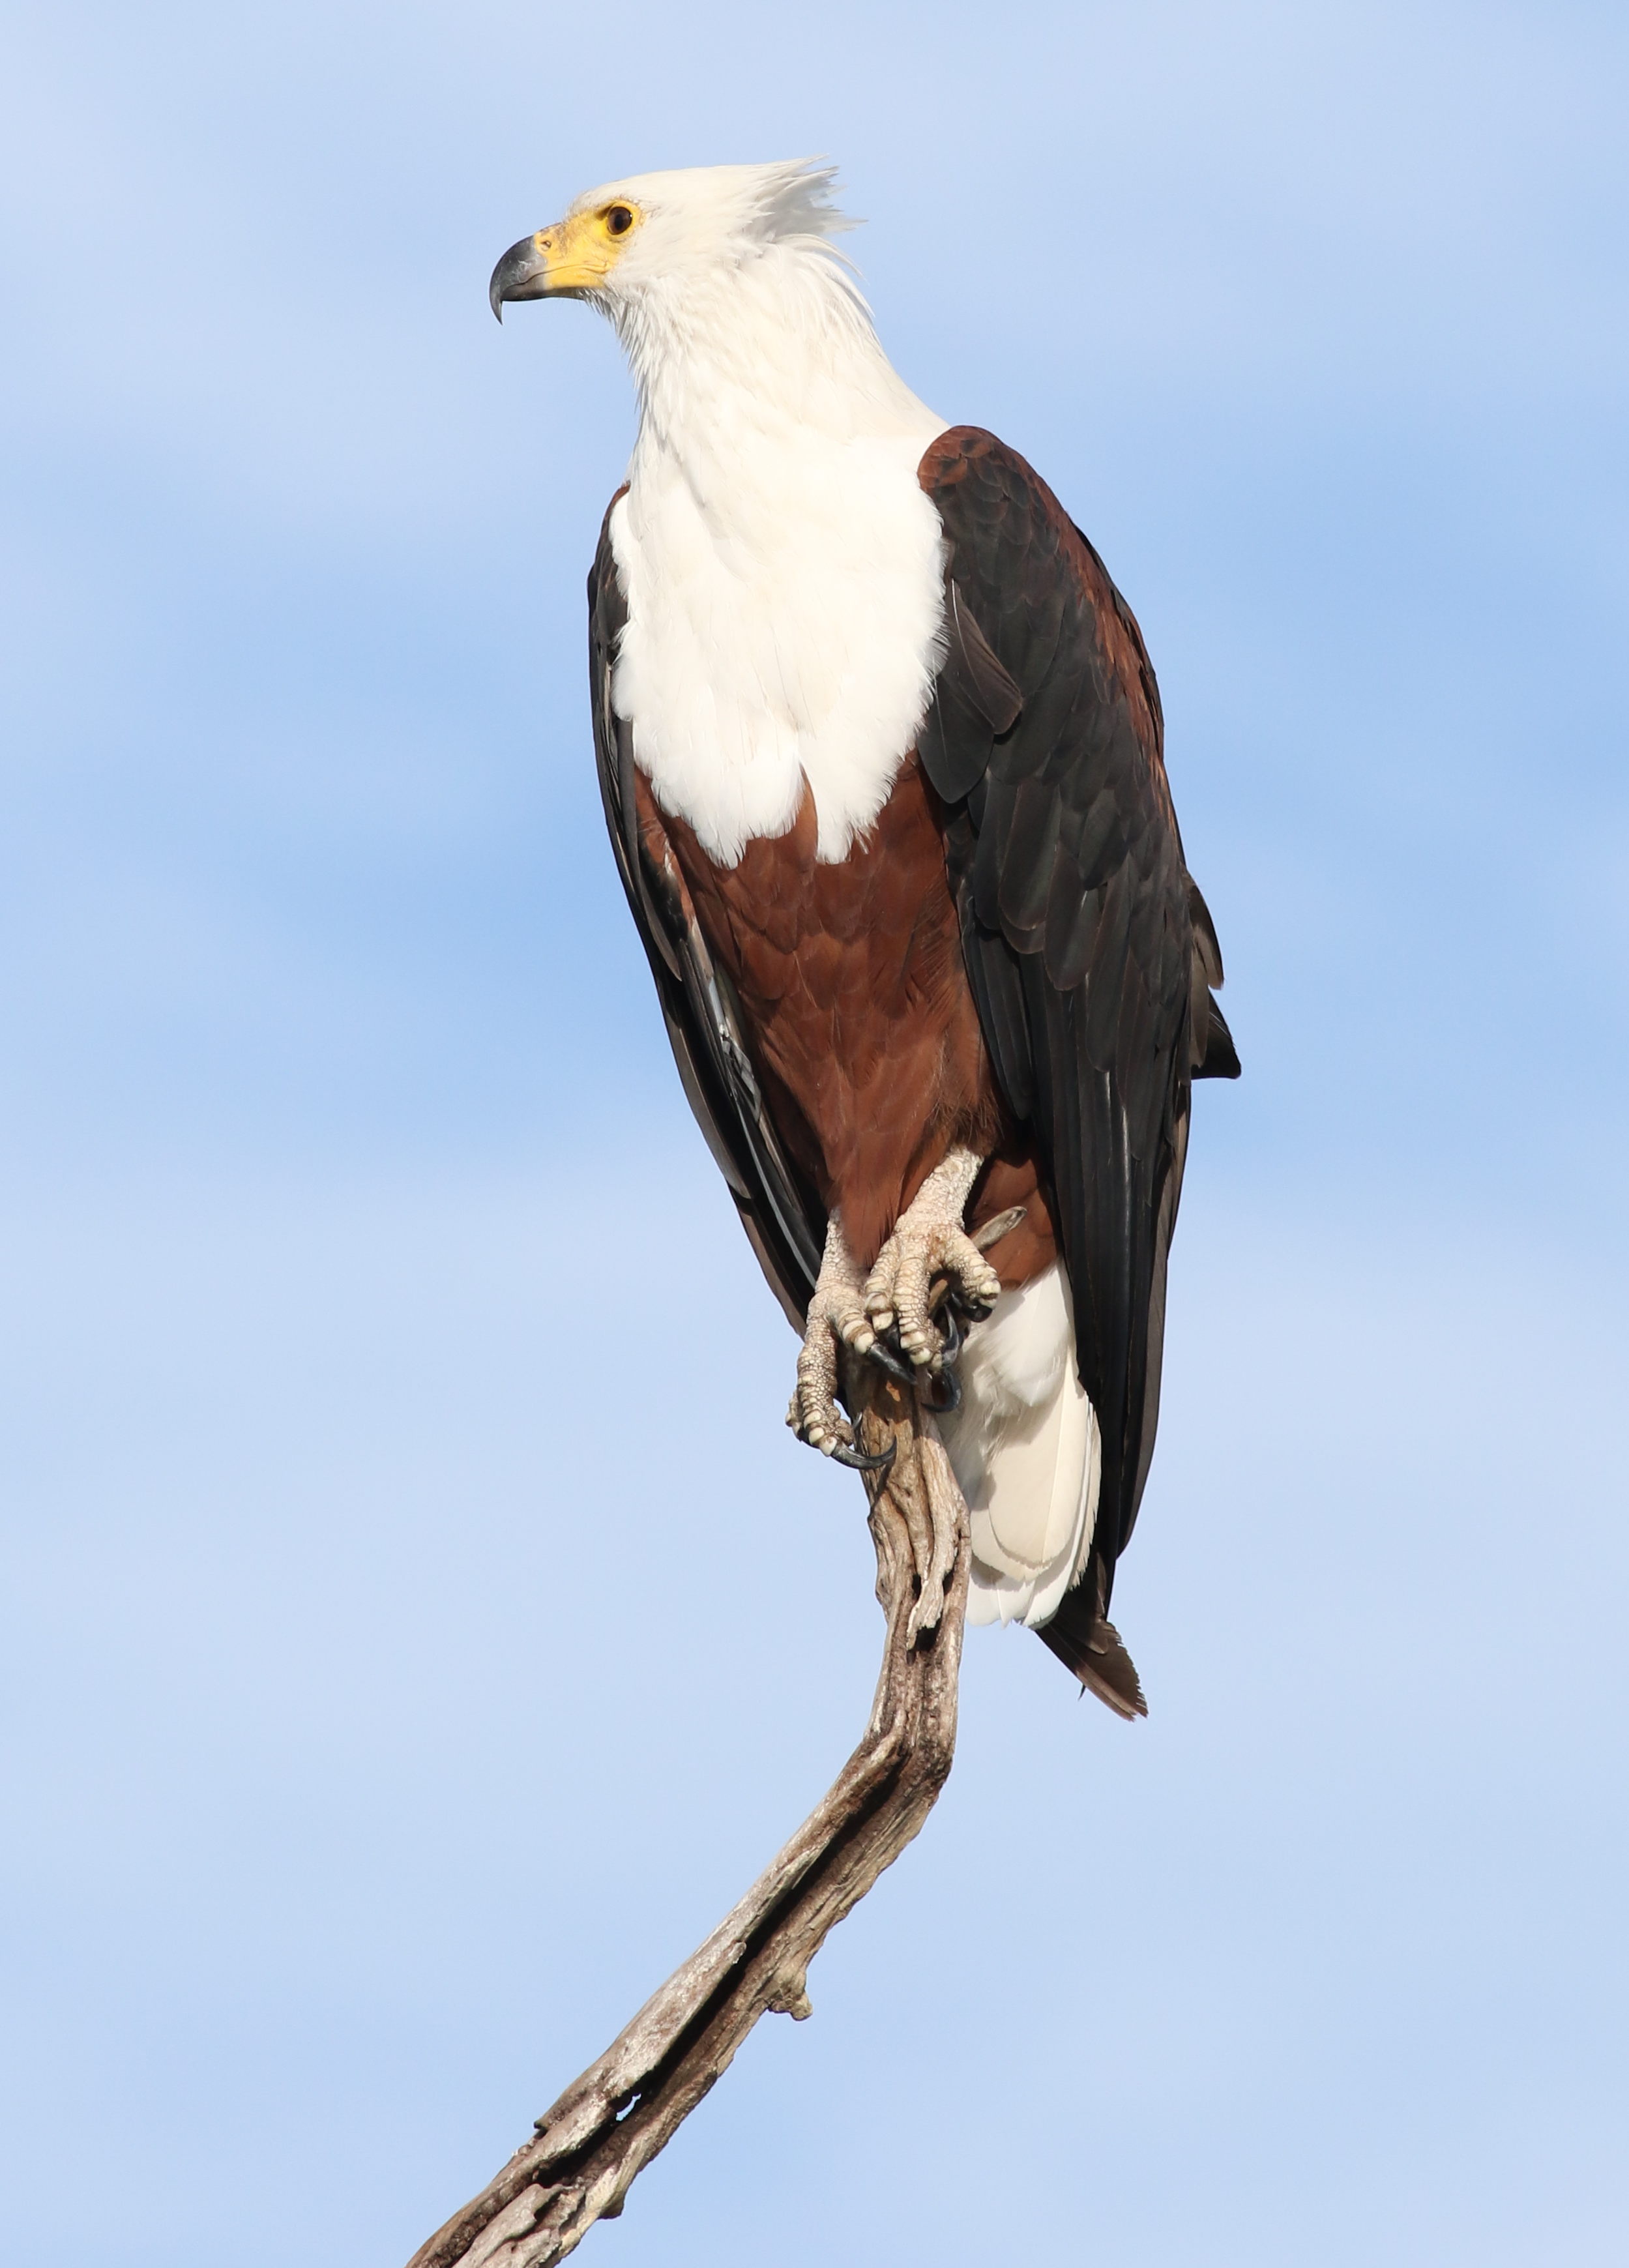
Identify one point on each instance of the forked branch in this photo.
(609, 2123)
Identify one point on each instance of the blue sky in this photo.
(417, 1624)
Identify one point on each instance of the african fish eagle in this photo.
(880, 753)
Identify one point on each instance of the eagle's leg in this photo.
(930, 1263)
(837, 1319)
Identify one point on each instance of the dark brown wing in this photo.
(1087, 945)
(782, 1217)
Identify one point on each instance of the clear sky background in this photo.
(418, 1624)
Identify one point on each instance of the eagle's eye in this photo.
(619, 220)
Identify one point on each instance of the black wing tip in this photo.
(1221, 1059)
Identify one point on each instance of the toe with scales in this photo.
(931, 1276)
(948, 1307)
(906, 1317)
(837, 1320)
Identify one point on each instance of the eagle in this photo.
(881, 756)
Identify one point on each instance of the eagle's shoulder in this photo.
(1037, 586)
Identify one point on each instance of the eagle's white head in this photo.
(668, 233)
(729, 268)
(670, 237)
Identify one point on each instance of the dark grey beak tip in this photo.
(521, 273)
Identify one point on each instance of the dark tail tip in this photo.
(1103, 1664)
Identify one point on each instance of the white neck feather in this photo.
(782, 335)
(781, 562)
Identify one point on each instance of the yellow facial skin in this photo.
(579, 254)
(574, 256)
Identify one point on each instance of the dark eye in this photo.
(619, 220)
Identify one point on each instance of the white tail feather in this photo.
(1025, 1449)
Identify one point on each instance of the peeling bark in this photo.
(612, 2120)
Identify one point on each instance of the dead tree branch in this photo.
(612, 2121)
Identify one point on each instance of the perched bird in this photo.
(880, 753)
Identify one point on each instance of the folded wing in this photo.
(1089, 950)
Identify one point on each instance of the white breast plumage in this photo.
(782, 625)
(782, 566)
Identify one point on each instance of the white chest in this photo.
(784, 596)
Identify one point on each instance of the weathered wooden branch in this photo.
(612, 2121)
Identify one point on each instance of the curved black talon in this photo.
(949, 1385)
(887, 1352)
(939, 1388)
(887, 1355)
(858, 1461)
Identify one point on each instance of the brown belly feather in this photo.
(863, 1029)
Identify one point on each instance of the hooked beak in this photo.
(521, 273)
